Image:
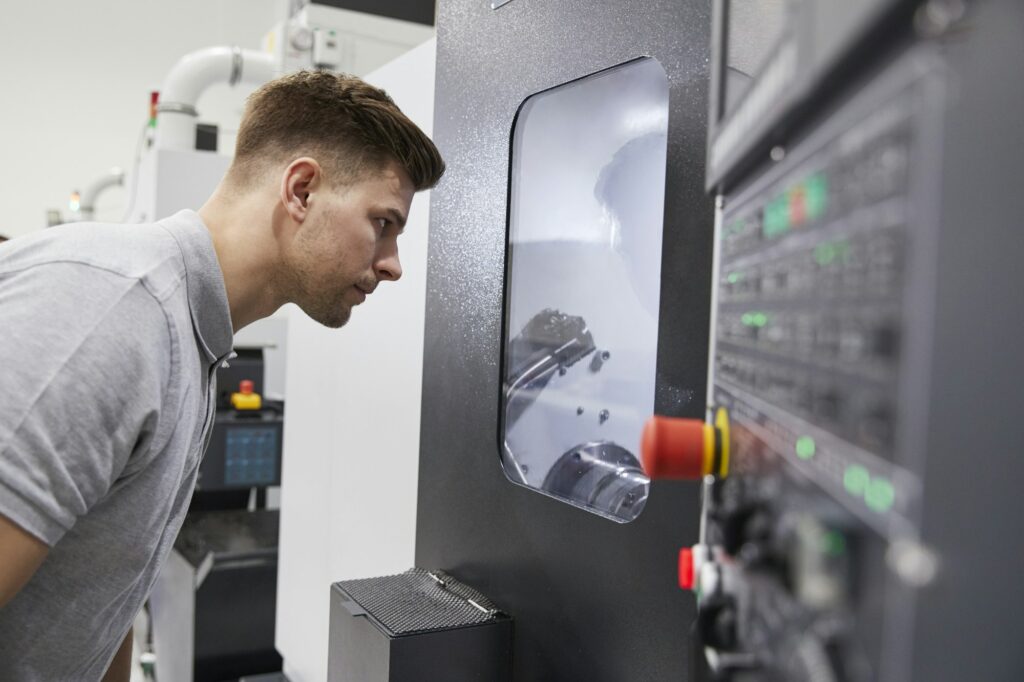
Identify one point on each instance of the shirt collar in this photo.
(207, 296)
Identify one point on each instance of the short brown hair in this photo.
(345, 123)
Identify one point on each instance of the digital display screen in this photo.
(250, 455)
(753, 29)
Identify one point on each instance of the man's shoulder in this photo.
(148, 254)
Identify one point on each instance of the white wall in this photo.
(76, 78)
(351, 441)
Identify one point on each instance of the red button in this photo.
(673, 448)
(245, 386)
(686, 568)
(797, 206)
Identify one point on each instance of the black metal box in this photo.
(417, 626)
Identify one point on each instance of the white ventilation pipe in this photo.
(194, 73)
(87, 200)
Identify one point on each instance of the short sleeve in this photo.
(82, 375)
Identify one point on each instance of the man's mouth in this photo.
(364, 290)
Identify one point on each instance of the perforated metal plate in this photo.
(418, 601)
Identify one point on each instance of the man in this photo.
(111, 337)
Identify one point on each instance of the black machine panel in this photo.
(852, 341)
(593, 600)
(417, 11)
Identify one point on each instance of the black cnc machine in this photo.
(856, 519)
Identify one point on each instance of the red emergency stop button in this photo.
(677, 448)
(245, 386)
(686, 571)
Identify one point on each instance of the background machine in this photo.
(213, 608)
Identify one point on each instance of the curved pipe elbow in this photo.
(191, 76)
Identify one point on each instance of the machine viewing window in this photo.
(583, 286)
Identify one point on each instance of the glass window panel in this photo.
(583, 286)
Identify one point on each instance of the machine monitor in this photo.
(583, 275)
(770, 57)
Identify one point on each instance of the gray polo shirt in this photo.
(110, 336)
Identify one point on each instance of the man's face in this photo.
(348, 244)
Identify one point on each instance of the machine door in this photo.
(568, 297)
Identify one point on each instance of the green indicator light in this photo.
(880, 495)
(734, 277)
(856, 479)
(780, 213)
(825, 254)
(833, 543)
(748, 319)
(759, 319)
(817, 195)
(776, 217)
(805, 447)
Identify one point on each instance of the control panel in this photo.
(814, 305)
(818, 320)
(811, 554)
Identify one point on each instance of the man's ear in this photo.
(300, 180)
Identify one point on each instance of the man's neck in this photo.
(243, 239)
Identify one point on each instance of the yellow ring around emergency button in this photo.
(709, 449)
(722, 424)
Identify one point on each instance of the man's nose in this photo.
(388, 266)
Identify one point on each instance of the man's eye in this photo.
(382, 223)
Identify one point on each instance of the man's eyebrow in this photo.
(397, 217)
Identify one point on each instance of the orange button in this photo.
(676, 448)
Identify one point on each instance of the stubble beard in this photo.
(332, 318)
(330, 309)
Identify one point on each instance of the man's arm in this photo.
(21, 554)
(120, 669)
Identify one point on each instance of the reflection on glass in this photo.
(583, 285)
